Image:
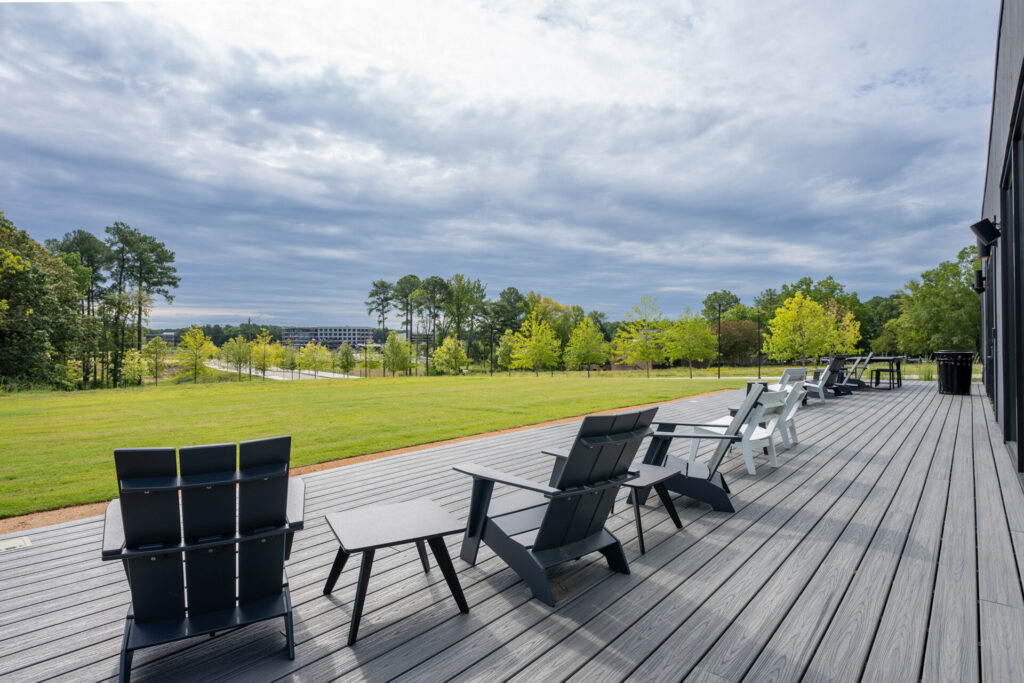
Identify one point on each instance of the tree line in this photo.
(72, 309)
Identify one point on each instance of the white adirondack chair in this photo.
(769, 410)
(789, 375)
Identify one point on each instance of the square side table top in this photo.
(378, 526)
(650, 475)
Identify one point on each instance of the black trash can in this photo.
(955, 368)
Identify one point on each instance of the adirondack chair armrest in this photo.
(680, 435)
(683, 424)
(113, 530)
(296, 503)
(556, 452)
(498, 477)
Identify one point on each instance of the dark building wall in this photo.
(1003, 201)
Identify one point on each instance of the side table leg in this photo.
(639, 527)
(364, 581)
(666, 500)
(339, 563)
(422, 549)
(444, 561)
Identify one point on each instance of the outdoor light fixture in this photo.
(986, 230)
(984, 250)
(979, 281)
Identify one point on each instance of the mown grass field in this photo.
(56, 449)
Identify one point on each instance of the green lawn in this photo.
(56, 449)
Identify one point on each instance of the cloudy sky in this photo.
(290, 153)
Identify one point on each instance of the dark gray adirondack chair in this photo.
(564, 520)
(697, 480)
(232, 516)
(826, 380)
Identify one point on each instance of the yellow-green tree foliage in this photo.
(450, 356)
(314, 356)
(396, 354)
(194, 349)
(690, 338)
(586, 346)
(345, 358)
(846, 328)
(800, 329)
(133, 367)
(536, 346)
(155, 352)
(265, 353)
(639, 339)
(237, 353)
(503, 354)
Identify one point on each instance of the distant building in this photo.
(331, 337)
(169, 337)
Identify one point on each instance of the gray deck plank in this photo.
(860, 504)
(806, 537)
(951, 650)
(784, 621)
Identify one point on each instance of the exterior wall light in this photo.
(979, 281)
(986, 230)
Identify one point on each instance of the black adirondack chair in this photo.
(827, 380)
(564, 520)
(233, 516)
(697, 480)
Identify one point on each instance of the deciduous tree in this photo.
(639, 339)
(315, 356)
(690, 338)
(536, 346)
(586, 346)
(712, 301)
(156, 351)
(237, 353)
(450, 356)
(194, 349)
(345, 358)
(800, 329)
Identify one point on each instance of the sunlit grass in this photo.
(57, 448)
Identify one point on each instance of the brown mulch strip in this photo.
(47, 517)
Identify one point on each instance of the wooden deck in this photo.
(888, 546)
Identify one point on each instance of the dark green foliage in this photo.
(723, 298)
(40, 319)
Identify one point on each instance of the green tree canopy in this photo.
(315, 356)
(237, 353)
(345, 358)
(639, 339)
(379, 301)
(536, 347)
(690, 338)
(194, 349)
(155, 352)
(506, 347)
(800, 329)
(941, 311)
(450, 356)
(396, 354)
(723, 297)
(586, 347)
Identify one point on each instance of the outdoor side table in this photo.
(652, 476)
(379, 526)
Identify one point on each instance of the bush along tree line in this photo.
(71, 311)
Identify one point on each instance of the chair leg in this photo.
(124, 674)
(792, 431)
(748, 457)
(616, 558)
(364, 581)
(479, 501)
(289, 627)
(444, 561)
(784, 433)
(694, 445)
(772, 457)
(639, 526)
(670, 506)
(339, 563)
(423, 555)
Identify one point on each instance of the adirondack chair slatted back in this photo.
(790, 375)
(262, 504)
(208, 513)
(772, 405)
(575, 517)
(833, 369)
(226, 492)
(151, 521)
(742, 416)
